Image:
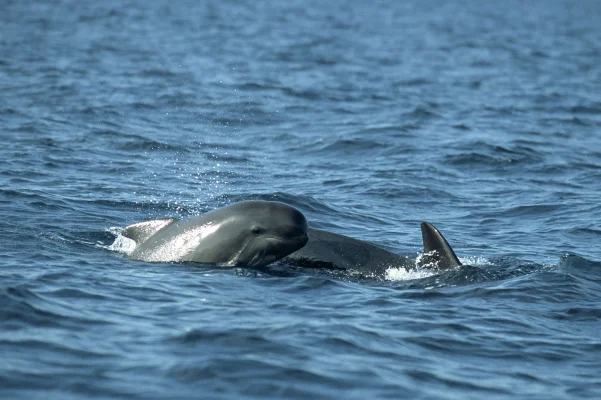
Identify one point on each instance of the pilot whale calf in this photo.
(334, 251)
(247, 233)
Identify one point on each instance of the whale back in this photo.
(141, 231)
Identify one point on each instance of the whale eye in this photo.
(257, 230)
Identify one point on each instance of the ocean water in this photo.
(483, 118)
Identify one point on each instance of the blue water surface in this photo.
(483, 118)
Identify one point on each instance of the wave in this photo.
(130, 142)
(485, 154)
(21, 307)
(353, 146)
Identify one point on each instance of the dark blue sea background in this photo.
(481, 117)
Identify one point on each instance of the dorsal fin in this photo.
(141, 231)
(437, 251)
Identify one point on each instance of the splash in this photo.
(121, 243)
(430, 269)
(401, 274)
(475, 261)
(420, 257)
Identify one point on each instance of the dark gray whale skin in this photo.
(247, 233)
(334, 251)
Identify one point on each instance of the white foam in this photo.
(401, 274)
(121, 243)
(478, 261)
(427, 270)
(418, 260)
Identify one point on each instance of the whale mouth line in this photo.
(254, 261)
(293, 240)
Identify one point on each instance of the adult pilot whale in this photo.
(334, 251)
(247, 233)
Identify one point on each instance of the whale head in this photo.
(256, 233)
(248, 233)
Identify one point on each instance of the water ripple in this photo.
(368, 118)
